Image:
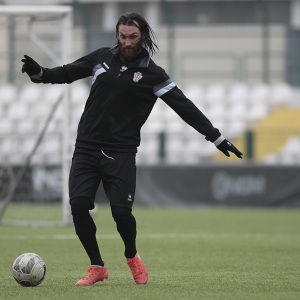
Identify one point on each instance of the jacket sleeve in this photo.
(189, 112)
(80, 68)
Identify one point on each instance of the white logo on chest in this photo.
(137, 76)
(123, 68)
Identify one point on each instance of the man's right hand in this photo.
(32, 68)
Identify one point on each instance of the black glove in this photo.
(32, 68)
(226, 146)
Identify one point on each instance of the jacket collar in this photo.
(145, 59)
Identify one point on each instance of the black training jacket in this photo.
(121, 99)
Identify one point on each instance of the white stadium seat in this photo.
(175, 150)
(2, 111)
(18, 111)
(238, 93)
(79, 94)
(148, 151)
(31, 94)
(259, 93)
(257, 111)
(6, 127)
(175, 126)
(237, 111)
(152, 127)
(52, 93)
(26, 127)
(292, 146)
(217, 112)
(215, 93)
(196, 94)
(281, 94)
(8, 93)
(236, 128)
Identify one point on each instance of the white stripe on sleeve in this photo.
(97, 73)
(163, 88)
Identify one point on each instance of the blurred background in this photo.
(238, 61)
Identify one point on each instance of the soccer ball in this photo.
(29, 269)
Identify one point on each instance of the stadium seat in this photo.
(17, 111)
(289, 154)
(215, 94)
(238, 93)
(40, 111)
(285, 159)
(28, 144)
(237, 111)
(216, 112)
(59, 113)
(271, 159)
(257, 111)
(79, 94)
(175, 150)
(292, 146)
(236, 128)
(31, 94)
(192, 150)
(281, 94)
(208, 149)
(152, 127)
(175, 127)
(259, 93)
(2, 111)
(26, 127)
(50, 148)
(9, 146)
(168, 114)
(8, 93)
(148, 150)
(196, 94)
(51, 93)
(38, 159)
(6, 127)
(158, 112)
(220, 124)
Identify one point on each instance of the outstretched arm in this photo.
(80, 68)
(188, 111)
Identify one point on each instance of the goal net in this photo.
(36, 126)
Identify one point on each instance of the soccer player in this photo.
(125, 86)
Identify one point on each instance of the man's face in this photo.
(130, 41)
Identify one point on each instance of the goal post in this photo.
(65, 49)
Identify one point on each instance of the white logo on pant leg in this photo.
(129, 198)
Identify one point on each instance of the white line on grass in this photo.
(154, 236)
(116, 236)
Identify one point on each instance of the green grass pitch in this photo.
(190, 253)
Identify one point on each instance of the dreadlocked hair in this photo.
(148, 35)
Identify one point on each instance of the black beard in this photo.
(133, 53)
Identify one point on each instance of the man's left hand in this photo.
(226, 146)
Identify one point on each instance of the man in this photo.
(125, 86)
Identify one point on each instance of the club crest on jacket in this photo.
(137, 76)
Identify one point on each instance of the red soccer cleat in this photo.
(94, 275)
(138, 269)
